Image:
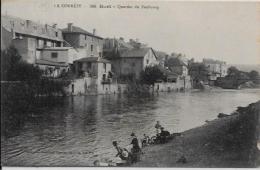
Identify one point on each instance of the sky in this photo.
(228, 31)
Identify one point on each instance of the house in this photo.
(94, 76)
(216, 68)
(133, 61)
(87, 44)
(128, 58)
(199, 74)
(38, 44)
(53, 62)
(94, 67)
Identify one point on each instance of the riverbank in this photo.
(224, 142)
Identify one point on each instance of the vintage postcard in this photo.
(130, 84)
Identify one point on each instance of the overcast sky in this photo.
(228, 31)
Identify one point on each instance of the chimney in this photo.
(28, 22)
(94, 31)
(70, 27)
(54, 25)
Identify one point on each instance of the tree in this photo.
(233, 71)
(151, 74)
(13, 68)
(253, 75)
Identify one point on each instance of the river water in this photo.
(80, 129)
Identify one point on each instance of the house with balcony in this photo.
(38, 44)
(93, 76)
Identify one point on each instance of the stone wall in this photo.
(91, 86)
(179, 85)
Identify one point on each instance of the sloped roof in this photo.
(161, 55)
(93, 59)
(28, 27)
(79, 30)
(135, 52)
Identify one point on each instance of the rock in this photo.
(221, 115)
(182, 159)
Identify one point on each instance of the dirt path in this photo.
(224, 142)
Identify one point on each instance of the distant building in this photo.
(87, 44)
(199, 74)
(216, 68)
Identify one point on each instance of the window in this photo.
(85, 37)
(54, 55)
(89, 65)
(91, 48)
(147, 61)
(105, 67)
(100, 54)
(56, 34)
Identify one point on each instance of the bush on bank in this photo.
(21, 85)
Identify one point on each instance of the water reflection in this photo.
(75, 131)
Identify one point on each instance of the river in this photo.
(80, 129)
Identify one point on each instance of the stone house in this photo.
(94, 76)
(87, 44)
(216, 68)
(94, 67)
(133, 61)
(38, 44)
(28, 36)
(53, 62)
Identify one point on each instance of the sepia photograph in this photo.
(127, 83)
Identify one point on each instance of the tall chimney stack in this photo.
(70, 27)
(94, 31)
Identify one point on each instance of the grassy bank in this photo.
(225, 142)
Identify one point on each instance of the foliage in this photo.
(15, 69)
(233, 71)
(237, 74)
(171, 62)
(151, 74)
(21, 85)
(198, 71)
(253, 75)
